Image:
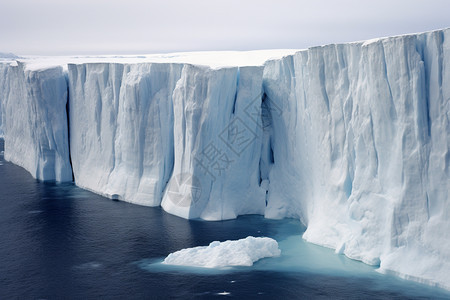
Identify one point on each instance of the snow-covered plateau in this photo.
(352, 139)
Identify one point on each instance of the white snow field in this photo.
(352, 139)
(243, 252)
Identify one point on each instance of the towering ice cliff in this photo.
(217, 144)
(353, 139)
(121, 128)
(136, 128)
(34, 121)
(361, 150)
(3, 71)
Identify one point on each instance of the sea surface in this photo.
(58, 241)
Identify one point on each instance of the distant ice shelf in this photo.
(352, 139)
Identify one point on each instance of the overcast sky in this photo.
(58, 27)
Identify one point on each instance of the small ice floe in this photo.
(223, 293)
(89, 266)
(242, 252)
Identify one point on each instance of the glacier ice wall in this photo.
(353, 139)
(135, 129)
(34, 121)
(3, 71)
(121, 128)
(217, 144)
(361, 150)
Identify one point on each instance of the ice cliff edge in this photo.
(353, 139)
(33, 120)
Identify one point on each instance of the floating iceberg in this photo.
(242, 252)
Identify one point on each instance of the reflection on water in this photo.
(59, 241)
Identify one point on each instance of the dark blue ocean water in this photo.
(58, 241)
